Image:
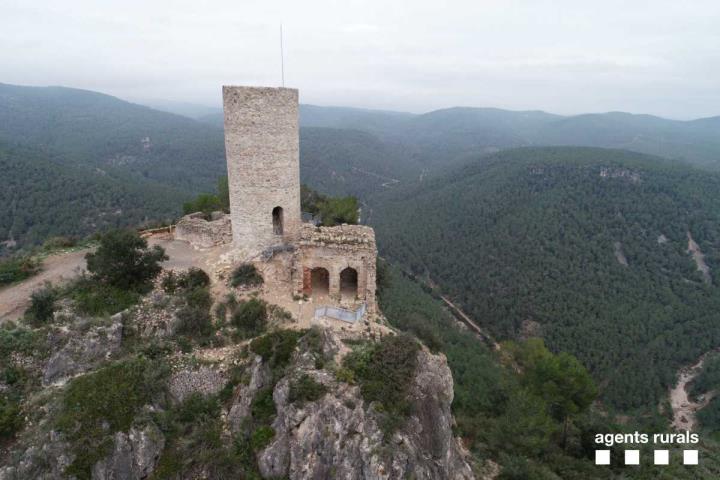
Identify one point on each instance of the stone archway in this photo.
(319, 281)
(349, 283)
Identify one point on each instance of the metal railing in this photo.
(343, 314)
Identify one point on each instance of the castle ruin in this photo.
(332, 267)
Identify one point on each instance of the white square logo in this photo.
(602, 457)
(662, 457)
(632, 457)
(690, 457)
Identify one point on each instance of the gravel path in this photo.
(14, 299)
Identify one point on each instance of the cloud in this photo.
(559, 55)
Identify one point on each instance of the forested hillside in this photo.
(587, 248)
(74, 161)
(89, 129)
(40, 199)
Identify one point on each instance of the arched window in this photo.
(320, 281)
(277, 218)
(349, 282)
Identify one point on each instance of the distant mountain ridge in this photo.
(343, 150)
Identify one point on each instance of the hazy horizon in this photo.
(657, 58)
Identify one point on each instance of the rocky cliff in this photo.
(112, 400)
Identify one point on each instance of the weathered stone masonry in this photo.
(263, 158)
(346, 248)
(333, 265)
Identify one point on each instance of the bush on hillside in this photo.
(123, 260)
(246, 275)
(250, 317)
(42, 305)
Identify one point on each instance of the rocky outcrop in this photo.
(339, 436)
(260, 378)
(76, 353)
(134, 456)
(45, 461)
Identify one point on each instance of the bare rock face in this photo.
(134, 457)
(338, 436)
(260, 378)
(77, 353)
(46, 461)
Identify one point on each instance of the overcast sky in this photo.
(564, 56)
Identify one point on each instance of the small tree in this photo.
(123, 260)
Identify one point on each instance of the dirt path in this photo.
(14, 299)
(470, 323)
(684, 408)
(60, 268)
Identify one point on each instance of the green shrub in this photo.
(336, 211)
(261, 437)
(250, 317)
(42, 305)
(93, 298)
(263, 406)
(385, 372)
(59, 242)
(188, 280)
(306, 389)
(11, 420)
(123, 260)
(246, 275)
(17, 269)
(194, 322)
(96, 405)
(205, 203)
(18, 340)
(332, 210)
(276, 348)
(196, 406)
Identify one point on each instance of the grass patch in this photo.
(261, 438)
(17, 269)
(96, 299)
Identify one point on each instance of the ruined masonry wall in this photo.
(263, 159)
(204, 234)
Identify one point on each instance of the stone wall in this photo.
(262, 151)
(336, 249)
(201, 233)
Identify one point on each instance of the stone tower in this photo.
(263, 160)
